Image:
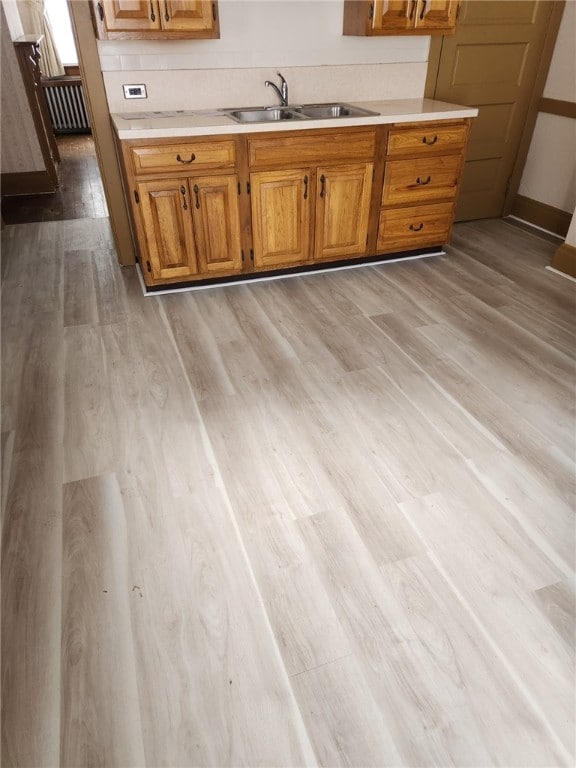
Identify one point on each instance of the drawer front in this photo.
(188, 156)
(309, 148)
(407, 181)
(409, 228)
(427, 139)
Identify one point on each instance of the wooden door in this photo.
(216, 214)
(167, 224)
(393, 15)
(492, 62)
(432, 15)
(131, 15)
(343, 204)
(188, 15)
(281, 217)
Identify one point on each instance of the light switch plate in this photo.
(135, 92)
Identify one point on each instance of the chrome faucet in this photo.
(282, 91)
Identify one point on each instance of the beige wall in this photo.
(571, 236)
(303, 38)
(550, 171)
(20, 148)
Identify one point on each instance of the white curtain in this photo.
(35, 22)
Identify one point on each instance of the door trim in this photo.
(102, 133)
(535, 98)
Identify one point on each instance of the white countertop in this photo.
(156, 125)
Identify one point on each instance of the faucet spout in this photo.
(282, 92)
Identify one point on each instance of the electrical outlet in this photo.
(135, 92)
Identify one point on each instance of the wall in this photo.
(550, 172)
(302, 38)
(20, 148)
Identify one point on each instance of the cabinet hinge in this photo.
(136, 196)
(239, 188)
(214, 11)
(100, 11)
(251, 255)
(248, 187)
(148, 266)
(371, 11)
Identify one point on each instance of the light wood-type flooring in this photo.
(326, 520)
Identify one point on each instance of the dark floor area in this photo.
(79, 196)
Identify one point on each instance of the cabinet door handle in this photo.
(166, 14)
(152, 14)
(423, 183)
(305, 187)
(183, 192)
(196, 190)
(186, 162)
(418, 228)
(100, 11)
(412, 9)
(322, 185)
(423, 11)
(429, 143)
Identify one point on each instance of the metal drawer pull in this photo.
(196, 193)
(322, 183)
(423, 183)
(418, 228)
(429, 143)
(423, 11)
(186, 162)
(305, 187)
(152, 14)
(166, 15)
(414, 4)
(183, 192)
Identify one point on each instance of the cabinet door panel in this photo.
(419, 180)
(131, 15)
(343, 206)
(187, 15)
(167, 223)
(436, 14)
(393, 15)
(217, 223)
(281, 217)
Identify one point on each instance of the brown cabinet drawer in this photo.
(427, 139)
(409, 228)
(188, 156)
(311, 148)
(407, 181)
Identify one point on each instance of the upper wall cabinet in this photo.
(156, 19)
(400, 17)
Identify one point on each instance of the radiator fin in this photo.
(67, 108)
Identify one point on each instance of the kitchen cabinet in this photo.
(422, 174)
(400, 17)
(185, 200)
(230, 205)
(156, 19)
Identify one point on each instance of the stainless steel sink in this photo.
(321, 111)
(300, 112)
(264, 115)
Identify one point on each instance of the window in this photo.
(59, 17)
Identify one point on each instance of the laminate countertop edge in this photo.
(185, 123)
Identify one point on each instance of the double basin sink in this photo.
(304, 112)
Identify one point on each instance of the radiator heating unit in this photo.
(66, 105)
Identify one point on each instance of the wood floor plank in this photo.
(100, 713)
(79, 294)
(558, 603)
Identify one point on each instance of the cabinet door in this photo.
(390, 16)
(188, 15)
(216, 214)
(281, 217)
(436, 15)
(343, 206)
(167, 223)
(130, 15)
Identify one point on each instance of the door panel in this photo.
(393, 14)
(281, 217)
(492, 62)
(131, 15)
(217, 223)
(186, 15)
(436, 14)
(342, 210)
